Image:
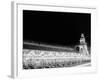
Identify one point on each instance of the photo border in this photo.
(17, 37)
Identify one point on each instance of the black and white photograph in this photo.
(56, 39)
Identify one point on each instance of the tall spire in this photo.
(82, 39)
(83, 45)
(82, 35)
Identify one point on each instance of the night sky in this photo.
(56, 28)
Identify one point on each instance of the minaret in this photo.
(83, 45)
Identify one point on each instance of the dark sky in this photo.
(59, 28)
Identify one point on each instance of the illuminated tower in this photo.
(83, 45)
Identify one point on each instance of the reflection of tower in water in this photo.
(83, 45)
